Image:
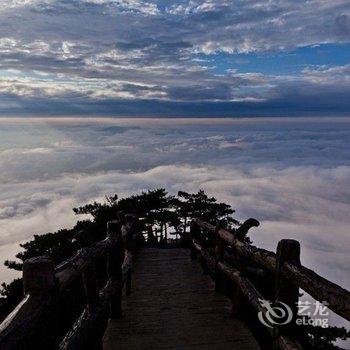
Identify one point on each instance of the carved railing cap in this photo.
(38, 274)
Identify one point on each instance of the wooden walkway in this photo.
(174, 306)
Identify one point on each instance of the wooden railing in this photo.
(244, 272)
(33, 323)
(250, 274)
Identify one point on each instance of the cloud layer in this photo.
(294, 176)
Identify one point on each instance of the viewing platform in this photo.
(174, 306)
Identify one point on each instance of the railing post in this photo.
(128, 284)
(115, 260)
(219, 254)
(39, 282)
(130, 246)
(239, 302)
(288, 250)
(194, 232)
(38, 275)
(84, 240)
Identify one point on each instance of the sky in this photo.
(175, 58)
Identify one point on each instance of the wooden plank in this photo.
(174, 306)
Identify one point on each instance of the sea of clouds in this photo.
(291, 174)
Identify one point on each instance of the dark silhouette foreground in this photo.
(156, 220)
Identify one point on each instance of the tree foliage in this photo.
(159, 215)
